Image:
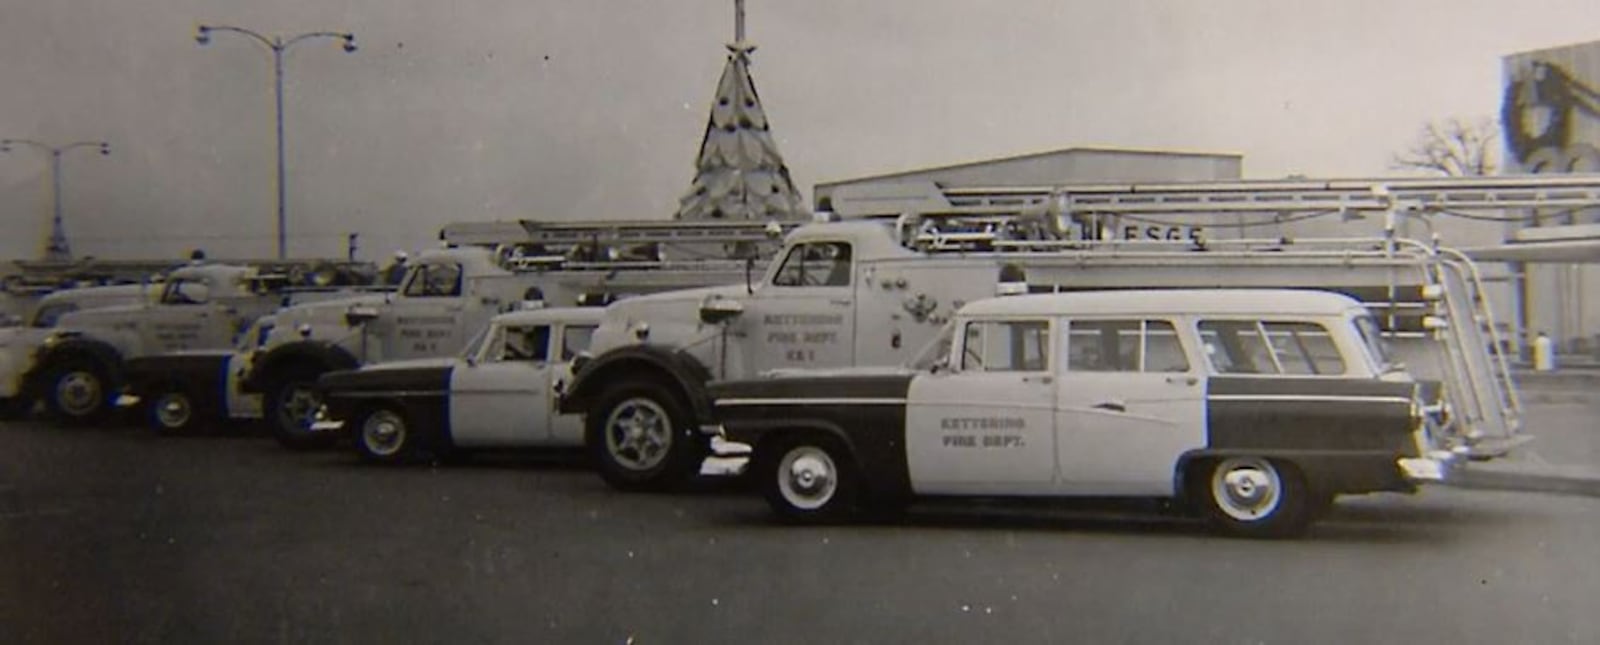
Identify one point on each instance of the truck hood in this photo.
(324, 310)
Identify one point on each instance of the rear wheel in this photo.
(809, 479)
(77, 392)
(642, 438)
(291, 406)
(1255, 496)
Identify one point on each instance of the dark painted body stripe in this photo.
(1345, 433)
(203, 375)
(421, 393)
(867, 413)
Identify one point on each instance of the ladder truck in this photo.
(871, 291)
(486, 268)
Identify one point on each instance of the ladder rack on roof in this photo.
(1433, 194)
(622, 232)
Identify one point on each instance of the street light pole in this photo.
(278, 45)
(57, 248)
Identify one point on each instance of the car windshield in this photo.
(937, 351)
(473, 346)
(1377, 346)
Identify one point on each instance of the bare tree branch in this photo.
(1453, 148)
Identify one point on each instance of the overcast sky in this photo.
(495, 109)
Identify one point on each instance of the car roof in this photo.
(569, 315)
(1167, 301)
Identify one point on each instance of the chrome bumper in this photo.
(1433, 468)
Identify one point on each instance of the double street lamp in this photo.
(277, 45)
(57, 248)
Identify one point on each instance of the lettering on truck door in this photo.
(424, 320)
(805, 316)
(987, 424)
(1128, 404)
(503, 398)
(179, 322)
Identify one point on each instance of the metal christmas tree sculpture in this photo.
(739, 174)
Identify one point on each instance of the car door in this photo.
(986, 424)
(503, 397)
(1129, 403)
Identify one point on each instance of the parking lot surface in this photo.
(116, 534)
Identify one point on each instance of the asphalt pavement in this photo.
(117, 535)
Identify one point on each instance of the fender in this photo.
(880, 465)
(316, 352)
(70, 346)
(684, 371)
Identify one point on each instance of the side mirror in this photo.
(359, 315)
(716, 310)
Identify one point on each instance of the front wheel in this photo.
(642, 438)
(384, 435)
(174, 411)
(808, 479)
(291, 407)
(78, 392)
(1255, 497)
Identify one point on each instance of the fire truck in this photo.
(488, 268)
(77, 369)
(872, 291)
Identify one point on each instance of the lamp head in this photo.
(202, 35)
(349, 42)
(105, 148)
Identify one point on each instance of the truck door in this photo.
(1129, 403)
(805, 316)
(987, 424)
(180, 321)
(503, 397)
(424, 319)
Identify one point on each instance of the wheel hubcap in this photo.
(384, 433)
(173, 410)
(1246, 489)
(639, 434)
(78, 393)
(807, 477)
(299, 407)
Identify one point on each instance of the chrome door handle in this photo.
(1046, 380)
(1183, 380)
(1114, 406)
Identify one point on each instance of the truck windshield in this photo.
(937, 351)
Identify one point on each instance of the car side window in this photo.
(1006, 346)
(816, 264)
(530, 343)
(1124, 346)
(1270, 347)
(574, 339)
(434, 280)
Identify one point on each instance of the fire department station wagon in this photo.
(1256, 406)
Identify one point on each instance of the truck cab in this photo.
(19, 345)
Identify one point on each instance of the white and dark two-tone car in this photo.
(1257, 407)
(500, 392)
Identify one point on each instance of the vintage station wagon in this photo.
(1257, 407)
